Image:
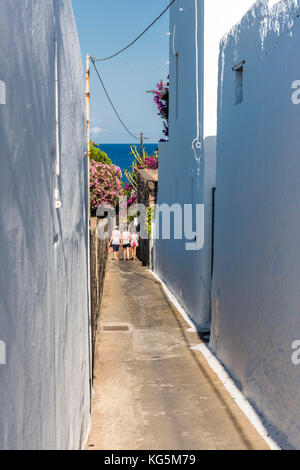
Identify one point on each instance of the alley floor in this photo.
(151, 390)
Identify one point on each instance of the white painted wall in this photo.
(256, 294)
(44, 386)
(181, 178)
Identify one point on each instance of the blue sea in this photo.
(120, 153)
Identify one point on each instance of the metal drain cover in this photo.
(115, 328)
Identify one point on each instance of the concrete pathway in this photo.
(152, 392)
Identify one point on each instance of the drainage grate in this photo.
(115, 328)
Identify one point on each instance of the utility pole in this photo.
(142, 145)
(88, 117)
(88, 103)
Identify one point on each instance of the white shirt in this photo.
(116, 236)
(126, 238)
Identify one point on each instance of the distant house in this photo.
(187, 172)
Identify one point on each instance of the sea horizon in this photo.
(120, 154)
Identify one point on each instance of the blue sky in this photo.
(105, 26)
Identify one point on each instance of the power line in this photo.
(136, 39)
(95, 59)
(112, 105)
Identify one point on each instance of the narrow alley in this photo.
(151, 390)
(166, 131)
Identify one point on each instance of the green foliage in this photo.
(138, 162)
(149, 219)
(98, 156)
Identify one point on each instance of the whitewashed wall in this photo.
(256, 287)
(44, 386)
(181, 178)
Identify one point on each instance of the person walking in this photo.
(134, 244)
(126, 239)
(115, 242)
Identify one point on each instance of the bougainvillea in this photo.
(161, 99)
(151, 162)
(105, 185)
(128, 187)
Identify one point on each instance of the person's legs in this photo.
(128, 253)
(134, 253)
(116, 252)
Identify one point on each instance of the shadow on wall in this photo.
(98, 261)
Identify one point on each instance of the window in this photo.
(239, 77)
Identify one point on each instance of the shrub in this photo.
(97, 155)
(161, 99)
(105, 185)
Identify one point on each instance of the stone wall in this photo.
(147, 183)
(99, 254)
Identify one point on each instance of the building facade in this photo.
(44, 305)
(256, 290)
(187, 168)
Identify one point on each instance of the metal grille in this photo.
(115, 328)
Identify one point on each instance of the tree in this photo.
(98, 156)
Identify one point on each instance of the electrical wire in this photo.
(96, 59)
(196, 144)
(112, 105)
